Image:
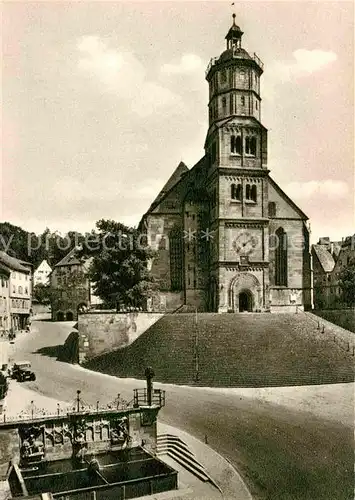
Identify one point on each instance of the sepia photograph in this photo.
(177, 250)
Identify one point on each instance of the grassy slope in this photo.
(253, 350)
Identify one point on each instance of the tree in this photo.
(118, 268)
(347, 283)
(42, 293)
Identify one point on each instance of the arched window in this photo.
(236, 192)
(236, 144)
(250, 145)
(272, 209)
(247, 192)
(281, 258)
(253, 145)
(247, 145)
(253, 193)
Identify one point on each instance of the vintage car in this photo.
(21, 371)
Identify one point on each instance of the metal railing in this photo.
(141, 398)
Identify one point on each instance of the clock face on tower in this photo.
(245, 243)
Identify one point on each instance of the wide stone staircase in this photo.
(234, 350)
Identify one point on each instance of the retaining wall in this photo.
(104, 331)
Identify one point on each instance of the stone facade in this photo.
(228, 239)
(70, 288)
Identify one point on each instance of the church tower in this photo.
(236, 148)
(237, 242)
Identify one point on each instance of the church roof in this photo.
(325, 258)
(180, 170)
(284, 195)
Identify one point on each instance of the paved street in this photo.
(281, 453)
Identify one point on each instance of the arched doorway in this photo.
(60, 316)
(245, 293)
(245, 301)
(70, 316)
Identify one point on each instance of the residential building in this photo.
(228, 238)
(71, 288)
(41, 274)
(5, 320)
(329, 258)
(20, 291)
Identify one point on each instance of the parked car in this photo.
(21, 371)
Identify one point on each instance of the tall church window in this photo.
(256, 104)
(281, 258)
(242, 100)
(236, 144)
(175, 246)
(236, 192)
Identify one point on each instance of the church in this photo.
(228, 239)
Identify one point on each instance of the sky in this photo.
(102, 100)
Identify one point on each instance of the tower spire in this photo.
(234, 35)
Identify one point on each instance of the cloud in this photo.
(304, 63)
(327, 189)
(189, 63)
(122, 74)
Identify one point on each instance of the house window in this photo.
(14, 276)
(281, 258)
(272, 209)
(13, 289)
(236, 192)
(242, 100)
(26, 290)
(236, 144)
(20, 290)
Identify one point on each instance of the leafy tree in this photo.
(347, 283)
(42, 293)
(119, 265)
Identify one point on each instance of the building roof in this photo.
(325, 258)
(13, 263)
(180, 170)
(70, 259)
